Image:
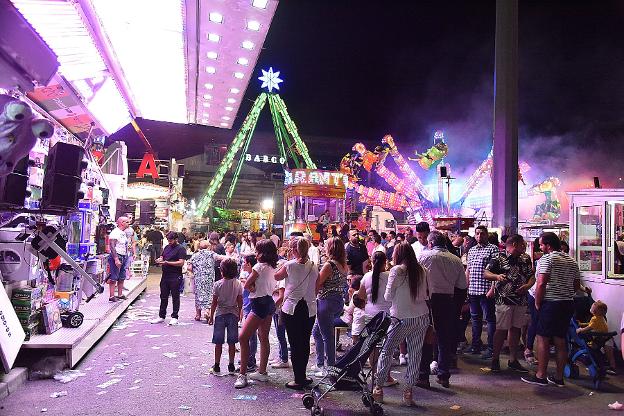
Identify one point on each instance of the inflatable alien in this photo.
(19, 131)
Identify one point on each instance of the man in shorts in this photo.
(117, 260)
(558, 278)
(512, 274)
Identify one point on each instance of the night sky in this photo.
(360, 69)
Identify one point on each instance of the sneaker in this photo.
(487, 355)
(611, 371)
(216, 369)
(122, 297)
(258, 376)
(241, 381)
(320, 373)
(495, 366)
(173, 321)
(433, 368)
(280, 364)
(533, 379)
(402, 359)
(516, 366)
(390, 382)
(316, 368)
(112, 299)
(552, 380)
(157, 320)
(231, 368)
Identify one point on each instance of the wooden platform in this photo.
(99, 316)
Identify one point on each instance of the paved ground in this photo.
(160, 370)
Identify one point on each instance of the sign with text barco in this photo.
(11, 333)
(264, 159)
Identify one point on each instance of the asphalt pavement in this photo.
(139, 368)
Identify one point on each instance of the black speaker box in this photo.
(66, 159)
(13, 190)
(147, 206)
(443, 172)
(61, 191)
(147, 218)
(125, 206)
(181, 171)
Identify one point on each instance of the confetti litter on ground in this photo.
(296, 395)
(66, 376)
(44, 410)
(182, 407)
(486, 369)
(155, 348)
(207, 385)
(159, 384)
(616, 406)
(99, 393)
(134, 387)
(170, 354)
(109, 383)
(88, 368)
(455, 407)
(64, 393)
(181, 366)
(245, 397)
(131, 334)
(111, 371)
(137, 381)
(153, 335)
(591, 393)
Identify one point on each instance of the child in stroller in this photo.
(349, 369)
(586, 343)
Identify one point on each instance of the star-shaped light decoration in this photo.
(270, 80)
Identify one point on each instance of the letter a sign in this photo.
(148, 167)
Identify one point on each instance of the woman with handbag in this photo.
(299, 307)
(331, 288)
(407, 290)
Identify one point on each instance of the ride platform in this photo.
(99, 316)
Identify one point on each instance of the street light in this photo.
(267, 205)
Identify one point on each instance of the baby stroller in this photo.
(349, 370)
(580, 350)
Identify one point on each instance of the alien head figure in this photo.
(19, 131)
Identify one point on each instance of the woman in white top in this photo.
(299, 307)
(260, 285)
(407, 290)
(372, 290)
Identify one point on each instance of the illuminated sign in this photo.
(315, 177)
(148, 167)
(264, 159)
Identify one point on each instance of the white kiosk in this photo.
(597, 244)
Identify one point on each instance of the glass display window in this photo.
(615, 240)
(589, 241)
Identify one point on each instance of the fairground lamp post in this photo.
(267, 205)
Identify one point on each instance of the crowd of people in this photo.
(433, 283)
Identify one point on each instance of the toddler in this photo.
(598, 323)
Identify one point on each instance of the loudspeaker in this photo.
(61, 191)
(66, 159)
(596, 182)
(443, 172)
(147, 206)
(13, 187)
(63, 176)
(181, 171)
(125, 206)
(147, 218)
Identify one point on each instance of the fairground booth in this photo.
(308, 194)
(597, 244)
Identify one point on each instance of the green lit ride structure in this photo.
(289, 144)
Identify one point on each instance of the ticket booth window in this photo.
(589, 238)
(615, 240)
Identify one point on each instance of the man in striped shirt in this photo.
(558, 278)
(478, 258)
